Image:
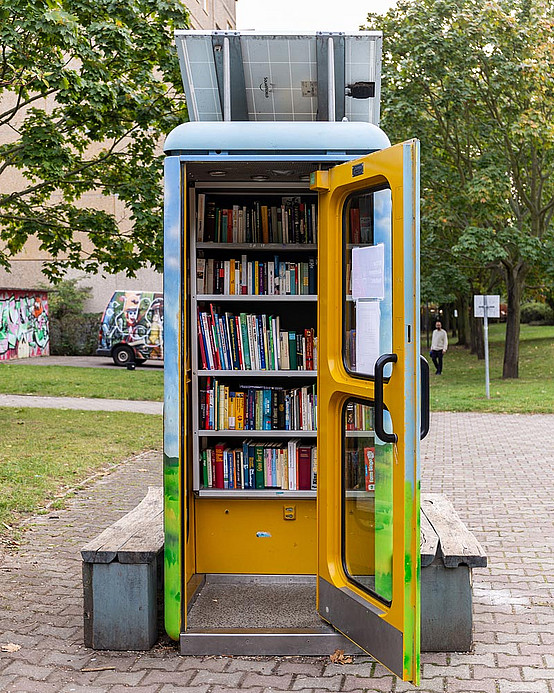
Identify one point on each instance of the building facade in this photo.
(26, 267)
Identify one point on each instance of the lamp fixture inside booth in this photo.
(218, 174)
(259, 177)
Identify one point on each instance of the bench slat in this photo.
(143, 522)
(457, 545)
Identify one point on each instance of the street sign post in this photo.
(486, 307)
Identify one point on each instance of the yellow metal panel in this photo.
(253, 536)
(335, 385)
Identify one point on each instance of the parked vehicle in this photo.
(132, 327)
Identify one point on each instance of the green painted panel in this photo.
(172, 547)
(383, 519)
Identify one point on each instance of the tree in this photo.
(474, 80)
(87, 89)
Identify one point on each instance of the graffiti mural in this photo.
(134, 318)
(24, 328)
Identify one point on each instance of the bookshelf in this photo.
(272, 287)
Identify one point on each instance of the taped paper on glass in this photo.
(368, 272)
(368, 318)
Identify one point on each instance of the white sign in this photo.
(492, 303)
(368, 317)
(368, 272)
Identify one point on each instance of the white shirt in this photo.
(439, 341)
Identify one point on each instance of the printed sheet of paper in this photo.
(368, 272)
(368, 318)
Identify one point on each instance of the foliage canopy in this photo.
(87, 89)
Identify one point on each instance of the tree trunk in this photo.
(477, 337)
(515, 281)
(463, 320)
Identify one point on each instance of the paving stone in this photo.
(206, 663)
(471, 686)
(522, 687)
(129, 678)
(217, 677)
(357, 683)
(25, 685)
(361, 668)
(265, 668)
(271, 681)
(157, 676)
(323, 683)
(74, 688)
(29, 671)
(170, 688)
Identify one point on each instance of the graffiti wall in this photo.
(134, 318)
(23, 324)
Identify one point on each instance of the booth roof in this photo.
(275, 137)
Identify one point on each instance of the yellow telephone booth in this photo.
(292, 366)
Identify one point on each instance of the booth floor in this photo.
(240, 603)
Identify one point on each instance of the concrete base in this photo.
(120, 605)
(446, 608)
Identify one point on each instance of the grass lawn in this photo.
(46, 451)
(461, 387)
(70, 381)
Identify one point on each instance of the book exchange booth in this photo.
(292, 399)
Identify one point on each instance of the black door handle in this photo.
(425, 398)
(379, 404)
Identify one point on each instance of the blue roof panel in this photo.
(275, 137)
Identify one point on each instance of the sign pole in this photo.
(486, 334)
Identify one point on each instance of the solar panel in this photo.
(232, 75)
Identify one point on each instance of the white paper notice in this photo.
(368, 317)
(368, 272)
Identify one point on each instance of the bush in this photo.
(72, 331)
(75, 335)
(538, 313)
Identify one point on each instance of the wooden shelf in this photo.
(247, 298)
(359, 434)
(226, 433)
(253, 493)
(256, 374)
(268, 247)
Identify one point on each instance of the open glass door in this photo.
(368, 404)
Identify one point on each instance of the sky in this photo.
(303, 15)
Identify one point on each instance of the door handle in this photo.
(425, 398)
(379, 403)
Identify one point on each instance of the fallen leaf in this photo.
(338, 657)
(10, 647)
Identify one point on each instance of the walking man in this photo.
(439, 345)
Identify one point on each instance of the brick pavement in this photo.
(497, 470)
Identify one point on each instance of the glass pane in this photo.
(367, 501)
(367, 230)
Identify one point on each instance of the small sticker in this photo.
(263, 535)
(357, 170)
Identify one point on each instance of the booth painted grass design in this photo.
(24, 328)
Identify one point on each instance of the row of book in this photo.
(294, 220)
(290, 467)
(360, 469)
(359, 417)
(257, 408)
(253, 342)
(256, 277)
(361, 221)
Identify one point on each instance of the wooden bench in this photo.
(122, 578)
(122, 566)
(449, 552)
